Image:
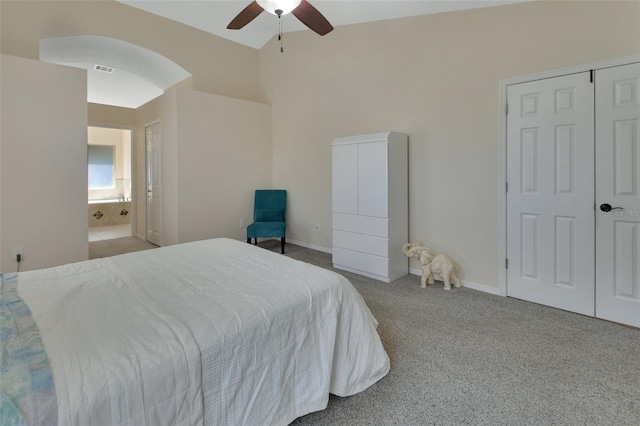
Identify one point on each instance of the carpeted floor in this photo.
(464, 357)
(106, 248)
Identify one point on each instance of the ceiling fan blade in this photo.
(247, 15)
(309, 15)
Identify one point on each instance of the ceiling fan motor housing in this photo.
(302, 9)
(282, 6)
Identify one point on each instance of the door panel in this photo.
(550, 233)
(345, 179)
(618, 184)
(154, 189)
(372, 179)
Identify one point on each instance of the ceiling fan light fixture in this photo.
(301, 9)
(285, 6)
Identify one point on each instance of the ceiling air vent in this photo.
(102, 68)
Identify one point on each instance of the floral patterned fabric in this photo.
(27, 394)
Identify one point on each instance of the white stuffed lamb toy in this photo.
(431, 263)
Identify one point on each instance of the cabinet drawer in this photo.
(362, 243)
(361, 225)
(364, 262)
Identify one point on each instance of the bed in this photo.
(214, 332)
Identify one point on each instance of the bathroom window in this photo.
(101, 166)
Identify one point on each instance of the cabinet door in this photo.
(345, 179)
(372, 179)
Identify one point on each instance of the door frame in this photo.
(134, 192)
(146, 165)
(502, 178)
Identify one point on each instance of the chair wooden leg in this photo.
(282, 244)
(248, 240)
(255, 241)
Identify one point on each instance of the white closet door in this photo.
(345, 179)
(372, 179)
(618, 184)
(550, 215)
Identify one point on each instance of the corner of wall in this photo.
(44, 157)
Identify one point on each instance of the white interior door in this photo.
(550, 198)
(618, 185)
(154, 189)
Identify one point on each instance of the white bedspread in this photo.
(145, 338)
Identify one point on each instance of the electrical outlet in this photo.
(17, 251)
(317, 226)
(242, 223)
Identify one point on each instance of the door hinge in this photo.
(506, 109)
(506, 187)
(591, 76)
(506, 264)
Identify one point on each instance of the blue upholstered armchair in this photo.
(269, 216)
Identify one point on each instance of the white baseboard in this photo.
(311, 246)
(414, 271)
(469, 284)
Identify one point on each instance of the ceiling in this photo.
(213, 16)
(139, 75)
(136, 75)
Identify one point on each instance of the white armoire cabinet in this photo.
(370, 204)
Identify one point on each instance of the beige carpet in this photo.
(106, 248)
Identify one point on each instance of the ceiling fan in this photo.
(301, 9)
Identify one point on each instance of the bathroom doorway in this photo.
(109, 189)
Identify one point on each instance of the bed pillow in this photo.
(269, 215)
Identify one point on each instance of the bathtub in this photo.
(114, 200)
(109, 212)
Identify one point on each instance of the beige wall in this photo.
(224, 155)
(43, 152)
(111, 115)
(215, 152)
(435, 78)
(217, 65)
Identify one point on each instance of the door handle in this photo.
(607, 208)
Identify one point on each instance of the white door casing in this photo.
(550, 215)
(154, 188)
(617, 99)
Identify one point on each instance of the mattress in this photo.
(210, 332)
